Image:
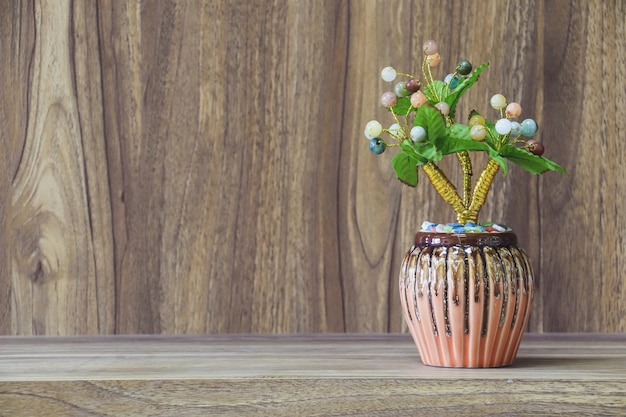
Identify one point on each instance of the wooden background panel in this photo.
(56, 230)
(584, 96)
(234, 180)
(199, 166)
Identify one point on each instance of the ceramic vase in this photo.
(466, 298)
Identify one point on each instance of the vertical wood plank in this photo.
(272, 121)
(16, 42)
(120, 38)
(583, 260)
(239, 217)
(59, 284)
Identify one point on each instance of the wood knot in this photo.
(39, 247)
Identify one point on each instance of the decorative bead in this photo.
(412, 85)
(434, 59)
(377, 146)
(452, 80)
(535, 147)
(373, 128)
(388, 74)
(443, 107)
(503, 126)
(516, 129)
(418, 99)
(476, 119)
(478, 132)
(401, 90)
(396, 131)
(529, 127)
(388, 99)
(498, 101)
(464, 67)
(418, 133)
(513, 110)
(430, 47)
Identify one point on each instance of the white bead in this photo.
(395, 130)
(373, 128)
(503, 126)
(418, 133)
(498, 101)
(388, 74)
(478, 132)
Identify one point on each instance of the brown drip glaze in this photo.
(494, 239)
(466, 297)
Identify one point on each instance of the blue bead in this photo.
(452, 80)
(529, 127)
(516, 129)
(377, 146)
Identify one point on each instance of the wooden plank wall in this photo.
(192, 167)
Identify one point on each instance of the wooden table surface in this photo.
(303, 375)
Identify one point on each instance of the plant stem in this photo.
(466, 167)
(444, 187)
(479, 196)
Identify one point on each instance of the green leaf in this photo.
(428, 151)
(405, 167)
(454, 145)
(402, 107)
(459, 139)
(453, 98)
(529, 161)
(408, 147)
(435, 91)
(433, 122)
(459, 131)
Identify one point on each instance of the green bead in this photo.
(464, 67)
(401, 90)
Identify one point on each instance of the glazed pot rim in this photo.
(496, 239)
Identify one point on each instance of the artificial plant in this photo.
(425, 131)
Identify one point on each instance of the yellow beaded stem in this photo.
(480, 192)
(466, 167)
(444, 187)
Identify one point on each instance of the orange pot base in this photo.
(466, 302)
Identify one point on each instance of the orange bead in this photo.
(513, 110)
(418, 99)
(434, 59)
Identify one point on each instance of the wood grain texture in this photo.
(312, 375)
(199, 166)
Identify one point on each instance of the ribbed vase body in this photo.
(466, 298)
